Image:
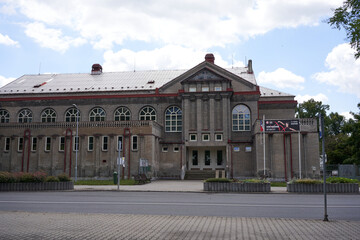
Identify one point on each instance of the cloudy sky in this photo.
(292, 47)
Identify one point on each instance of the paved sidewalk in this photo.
(161, 186)
(26, 225)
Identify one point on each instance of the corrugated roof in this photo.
(267, 92)
(106, 81)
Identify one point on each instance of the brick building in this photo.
(180, 122)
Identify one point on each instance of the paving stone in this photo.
(27, 225)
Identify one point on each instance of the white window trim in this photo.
(18, 147)
(88, 145)
(205, 89)
(5, 141)
(203, 137)
(165, 149)
(117, 143)
(46, 140)
(176, 149)
(74, 143)
(193, 134)
(132, 143)
(218, 134)
(102, 143)
(32, 144)
(192, 89)
(60, 150)
(217, 89)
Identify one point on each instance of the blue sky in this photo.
(292, 48)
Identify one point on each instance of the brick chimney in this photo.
(210, 58)
(96, 69)
(250, 68)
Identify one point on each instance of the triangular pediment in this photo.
(203, 72)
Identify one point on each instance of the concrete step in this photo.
(199, 174)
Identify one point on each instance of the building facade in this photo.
(174, 122)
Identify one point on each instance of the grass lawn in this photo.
(105, 182)
(278, 184)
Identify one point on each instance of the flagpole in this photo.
(264, 144)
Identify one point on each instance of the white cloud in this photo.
(188, 23)
(167, 57)
(51, 38)
(281, 78)
(319, 97)
(4, 80)
(344, 70)
(6, 40)
(347, 115)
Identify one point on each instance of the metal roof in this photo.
(267, 92)
(106, 81)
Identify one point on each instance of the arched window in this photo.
(173, 119)
(147, 113)
(25, 116)
(122, 114)
(97, 114)
(71, 115)
(4, 116)
(48, 115)
(241, 118)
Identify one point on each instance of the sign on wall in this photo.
(282, 125)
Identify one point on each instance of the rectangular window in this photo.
(7, 144)
(134, 145)
(219, 159)
(218, 137)
(205, 89)
(192, 89)
(207, 157)
(90, 143)
(194, 157)
(76, 144)
(47, 144)
(206, 137)
(217, 89)
(20, 144)
(61, 144)
(119, 139)
(33, 144)
(105, 143)
(193, 137)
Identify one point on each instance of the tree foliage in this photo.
(311, 109)
(348, 18)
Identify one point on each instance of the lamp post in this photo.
(77, 140)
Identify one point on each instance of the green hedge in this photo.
(328, 180)
(21, 177)
(236, 180)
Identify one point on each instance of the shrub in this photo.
(217, 180)
(305, 181)
(6, 177)
(39, 176)
(341, 180)
(63, 177)
(253, 180)
(52, 179)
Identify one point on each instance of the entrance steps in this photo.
(199, 174)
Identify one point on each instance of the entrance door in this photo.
(206, 158)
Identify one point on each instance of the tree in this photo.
(348, 17)
(311, 109)
(334, 124)
(353, 129)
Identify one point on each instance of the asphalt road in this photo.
(301, 206)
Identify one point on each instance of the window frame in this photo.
(104, 144)
(241, 118)
(25, 115)
(90, 144)
(48, 115)
(134, 144)
(73, 115)
(125, 113)
(146, 113)
(76, 144)
(7, 142)
(34, 143)
(216, 137)
(98, 112)
(20, 146)
(62, 142)
(203, 137)
(193, 140)
(46, 149)
(4, 116)
(117, 143)
(173, 125)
